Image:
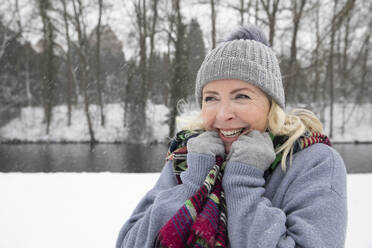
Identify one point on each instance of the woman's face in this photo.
(233, 108)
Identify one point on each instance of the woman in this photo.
(221, 186)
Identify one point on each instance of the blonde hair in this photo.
(292, 124)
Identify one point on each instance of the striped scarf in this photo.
(202, 220)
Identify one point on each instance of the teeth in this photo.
(231, 133)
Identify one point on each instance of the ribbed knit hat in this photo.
(243, 56)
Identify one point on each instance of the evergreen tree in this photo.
(178, 85)
(159, 78)
(15, 70)
(196, 53)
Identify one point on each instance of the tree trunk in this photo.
(98, 65)
(27, 57)
(68, 65)
(152, 37)
(179, 70)
(330, 70)
(27, 77)
(48, 62)
(213, 22)
(316, 55)
(365, 68)
(256, 12)
(137, 102)
(271, 10)
(344, 73)
(241, 12)
(291, 91)
(83, 63)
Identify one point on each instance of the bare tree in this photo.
(26, 60)
(271, 8)
(242, 8)
(337, 20)
(152, 33)
(213, 4)
(48, 61)
(83, 69)
(69, 72)
(98, 64)
(365, 68)
(142, 22)
(7, 37)
(179, 65)
(139, 87)
(297, 8)
(343, 69)
(316, 54)
(256, 8)
(330, 68)
(213, 21)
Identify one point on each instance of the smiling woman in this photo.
(221, 185)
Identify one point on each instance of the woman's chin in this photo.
(227, 147)
(229, 141)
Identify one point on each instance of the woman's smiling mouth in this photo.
(231, 133)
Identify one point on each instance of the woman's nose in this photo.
(225, 112)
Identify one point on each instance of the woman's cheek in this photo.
(207, 125)
(207, 120)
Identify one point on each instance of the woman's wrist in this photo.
(198, 167)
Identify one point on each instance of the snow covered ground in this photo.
(29, 127)
(87, 209)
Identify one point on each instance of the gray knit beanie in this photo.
(246, 56)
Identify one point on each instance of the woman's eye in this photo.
(242, 96)
(209, 98)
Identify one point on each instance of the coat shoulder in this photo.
(321, 162)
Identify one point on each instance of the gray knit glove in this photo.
(208, 143)
(255, 149)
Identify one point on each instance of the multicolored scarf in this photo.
(202, 220)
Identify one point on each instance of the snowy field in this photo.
(29, 126)
(61, 210)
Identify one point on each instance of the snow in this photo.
(358, 122)
(29, 125)
(87, 209)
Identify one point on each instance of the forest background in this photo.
(81, 54)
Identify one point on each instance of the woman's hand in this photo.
(208, 143)
(255, 149)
